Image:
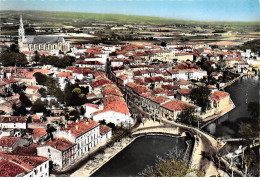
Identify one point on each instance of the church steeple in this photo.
(21, 33)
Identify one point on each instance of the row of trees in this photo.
(73, 95)
(60, 62)
(13, 59)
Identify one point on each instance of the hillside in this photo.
(81, 19)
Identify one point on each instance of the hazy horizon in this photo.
(193, 10)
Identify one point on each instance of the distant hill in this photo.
(81, 19)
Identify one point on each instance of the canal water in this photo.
(140, 153)
(241, 92)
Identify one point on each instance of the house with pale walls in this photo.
(105, 133)
(93, 65)
(8, 143)
(241, 67)
(187, 71)
(114, 110)
(84, 133)
(219, 100)
(23, 165)
(217, 75)
(73, 140)
(183, 56)
(90, 108)
(13, 122)
(60, 151)
(63, 78)
(171, 109)
(32, 89)
(183, 95)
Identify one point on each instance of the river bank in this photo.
(92, 166)
(242, 91)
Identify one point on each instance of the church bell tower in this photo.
(21, 29)
(21, 34)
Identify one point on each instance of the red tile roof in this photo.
(32, 87)
(38, 132)
(100, 82)
(177, 105)
(139, 81)
(184, 91)
(115, 103)
(98, 73)
(30, 150)
(13, 119)
(158, 91)
(8, 81)
(140, 89)
(92, 105)
(131, 85)
(104, 129)
(89, 62)
(27, 162)
(160, 99)
(108, 91)
(7, 141)
(9, 169)
(64, 74)
(153, 79)
(59, 143)
(217, 95)
(167, 87)
(80, 127)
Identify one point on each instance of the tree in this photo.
(14, 48)
(173, 165)
(40, 78)
(36, 57)
(200, 96)
(43, 92)
(249, 159)
(25, 100)
(16, 88)
(163, 44)
(253, 109)
(38, 106)
(82, 110)
(13, 59)
(250, 130)
(19, 110)
(103, 122)
(189, 117)
(205, 65)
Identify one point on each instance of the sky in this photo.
(201, 10)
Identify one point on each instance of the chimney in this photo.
(66, 125)
(86, 122)
(76, 127)
(77, 120)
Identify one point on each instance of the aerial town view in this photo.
(129, 88)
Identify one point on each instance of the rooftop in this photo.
(177, 105)
(7, 141)
(59, 143)
(80, 127)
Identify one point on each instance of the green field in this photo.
(82, 19)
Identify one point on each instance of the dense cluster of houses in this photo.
(157, 79)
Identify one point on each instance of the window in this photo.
(40, 169)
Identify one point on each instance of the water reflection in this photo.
(140, 153)
(242, 92)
